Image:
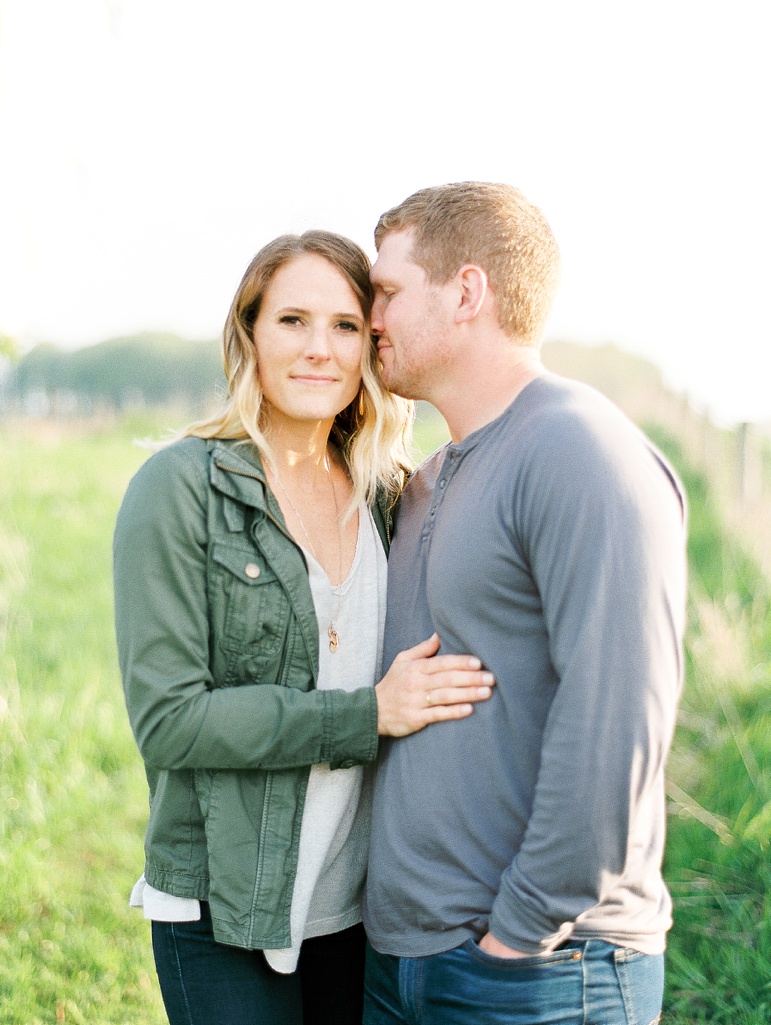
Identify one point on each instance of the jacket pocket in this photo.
(255, 615)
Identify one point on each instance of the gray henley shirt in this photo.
(550, 543)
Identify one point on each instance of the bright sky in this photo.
(148, 148)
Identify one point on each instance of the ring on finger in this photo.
(429, 697)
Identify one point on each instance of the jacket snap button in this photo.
(252, 570)
(577, 955)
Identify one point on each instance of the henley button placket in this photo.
(439, 490)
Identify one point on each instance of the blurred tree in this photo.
(148, 369)
(8, 347)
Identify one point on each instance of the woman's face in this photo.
(309, 336)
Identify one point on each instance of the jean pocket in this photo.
(641, 981)
(556, 957)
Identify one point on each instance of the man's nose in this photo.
(376, 317)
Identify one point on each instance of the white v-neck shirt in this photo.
(334, 836)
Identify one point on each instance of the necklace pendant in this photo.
(334, 640)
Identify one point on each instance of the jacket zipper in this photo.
(388, 517)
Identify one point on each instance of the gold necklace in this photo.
(334, 637)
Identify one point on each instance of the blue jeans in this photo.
(582, 983)
(208, 983)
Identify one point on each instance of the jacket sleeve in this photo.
(603, 527)
(178, 718)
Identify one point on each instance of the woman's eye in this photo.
(288, 319)
(348, 325)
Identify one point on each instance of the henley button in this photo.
(442, 482)
(252, 570)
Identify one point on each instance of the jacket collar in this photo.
(236, 470)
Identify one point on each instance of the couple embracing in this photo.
(404, 732)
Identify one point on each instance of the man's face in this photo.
(408, 318)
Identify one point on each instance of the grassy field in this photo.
(717, 862)
(72, 793)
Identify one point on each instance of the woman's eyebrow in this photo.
(340, 314)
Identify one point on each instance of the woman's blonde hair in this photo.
(372, 433)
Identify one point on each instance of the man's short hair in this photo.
(494, 227)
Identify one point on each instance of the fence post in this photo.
(741, 457)
(749, 467)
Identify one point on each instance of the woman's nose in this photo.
(318, 343)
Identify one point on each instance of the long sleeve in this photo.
(603, 528)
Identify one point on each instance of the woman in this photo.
(250, 592)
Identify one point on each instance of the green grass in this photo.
(72, 793)
(430, 431)
(72, 790)
(717, 861)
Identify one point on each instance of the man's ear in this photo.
(472, 290)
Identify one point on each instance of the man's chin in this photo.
(393, 383)
(397, 382)
(387, 376)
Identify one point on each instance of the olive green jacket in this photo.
(218, 649)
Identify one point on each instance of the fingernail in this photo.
(474, 663)
(485, 692)
(488, 678)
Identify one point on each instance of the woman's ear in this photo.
(472, 290)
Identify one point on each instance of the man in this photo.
(515, 863)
